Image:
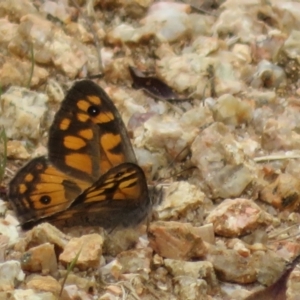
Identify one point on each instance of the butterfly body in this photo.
(90, 176)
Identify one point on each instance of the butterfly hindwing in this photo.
(40, 190)
(119, 197)
(88, 136)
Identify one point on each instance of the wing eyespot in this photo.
(45, 199)
(93, 111)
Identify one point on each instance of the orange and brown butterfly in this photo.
(90, 176)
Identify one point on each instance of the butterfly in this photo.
(90, 176)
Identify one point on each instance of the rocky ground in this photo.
(227, 226)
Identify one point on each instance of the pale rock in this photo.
(269, 75)
(126, 102)
(250, 146)
(137, 281)
(43, 284)
(117, 70)
(54, 91)
(7, 31)
(72, 292)
(234, 291)
(136, 261)
(293, 290)
(204, 46)
(10, 231)
(170, 23)
(224, 75)
(22, 112)
(236, 217)
(40, 258)
(283, 192)
(34, 33)
(196, 117)
(222, 162)
(113, 290)
(20, 294)
(16, 150)
(232, 111)
(230, 266)
(185, 72)
(201, 24)
(78, 30)
(90, 248)
(268, 46)
(240, 246)
(50, 45)
(5, 295)
(239, 22)
(126, 33)
(285, 248)
(107, 55)
(150, 162)
(268, 265)
(287, 12)
(40, 150)
(291, 45)
(92, 65)
(137, 121)
(233, 266)
(161, 277)
(281, 133)
(261, 116)
(3, 208)
(10, 274)
(243, 52)
(164, 50)
(206, 232)
(193, 269)
(262, 98)
(166, 5)
(292, 7)
(181, 200)
(157, 260)
(16, 9)
(186, 287)
(44, 233)
(169, 135)
(111, 271)
(67, 55)
(197, 74)
(292, 168)
(57, 10)
(16, 72)
(192, 279)
(4, 240)
(86, 283)
(109, 296)
(10, 218)
(176, 240)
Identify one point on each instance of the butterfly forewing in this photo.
(88, 136)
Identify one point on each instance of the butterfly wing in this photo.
(119, 198)
(88, 136)
(86, 139)
(39, 190)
